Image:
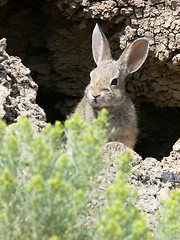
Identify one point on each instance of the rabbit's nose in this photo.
(95, 96)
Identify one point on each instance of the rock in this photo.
(112, 150)
(147, 177)
(175, 154)
(18, 91)
(164, 193)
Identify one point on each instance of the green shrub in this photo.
(46, 184)
(119, 219)
(43, 192)
(168, 227)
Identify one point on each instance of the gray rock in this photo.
(18, 91)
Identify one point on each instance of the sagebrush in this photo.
(46, 183)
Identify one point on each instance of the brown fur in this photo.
(102, 93)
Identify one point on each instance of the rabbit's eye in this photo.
(114, 81)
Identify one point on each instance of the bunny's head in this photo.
(107, 85)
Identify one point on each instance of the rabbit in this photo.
(107, 87)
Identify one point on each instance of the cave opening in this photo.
(159, 128)
(57, 106)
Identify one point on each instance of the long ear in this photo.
(134, 56)
(100, 46)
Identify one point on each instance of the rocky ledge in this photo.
(153, 179)
(17, 91)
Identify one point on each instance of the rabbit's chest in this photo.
(122, 122)
(120, 119)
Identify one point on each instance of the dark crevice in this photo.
(159, 130)
(48, 101)
(56, 105)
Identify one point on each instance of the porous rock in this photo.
(17, 90)
(146, 176)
